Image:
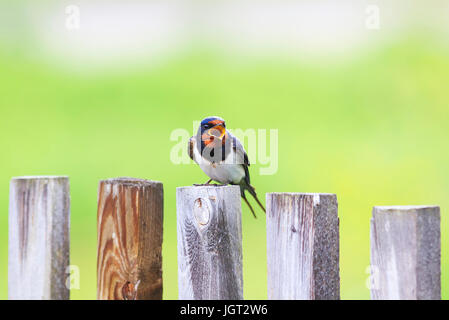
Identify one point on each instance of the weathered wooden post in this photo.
(209, 242)
(303, 246)
(405, 253)
(39, 223)
(130, 221)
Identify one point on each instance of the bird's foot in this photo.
(208, 183)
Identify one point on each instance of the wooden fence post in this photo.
(129, 222)
(303, 246)
(405, 253)
(39, 219)
(209, 242)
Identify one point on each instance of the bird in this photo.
(222, 157)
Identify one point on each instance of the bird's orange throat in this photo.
(214, 137)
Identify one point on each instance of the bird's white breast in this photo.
(221, 171)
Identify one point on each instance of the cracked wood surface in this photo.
(209, 242)
(405, 253)
(302, 246)
(129, 222)
(39, 225)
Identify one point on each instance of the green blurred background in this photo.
(361, 113)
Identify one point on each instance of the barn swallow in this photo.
(222, 157)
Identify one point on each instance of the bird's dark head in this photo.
(213, 132)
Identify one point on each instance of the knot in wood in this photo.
(129, 290)
(202, 211)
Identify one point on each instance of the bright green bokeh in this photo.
(374, 131)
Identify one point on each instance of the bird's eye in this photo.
(224, 125)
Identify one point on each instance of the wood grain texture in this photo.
(405, 253)
(303, 246)
(39, 224)
(129, 222)
(209, 242)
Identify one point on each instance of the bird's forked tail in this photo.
(246, 186)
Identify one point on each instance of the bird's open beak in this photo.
(218, 131)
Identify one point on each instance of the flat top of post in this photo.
(39, 177)
(209, 187)
(301, 194)
(404, 208)
(131, 182)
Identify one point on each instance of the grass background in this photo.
(373, 130)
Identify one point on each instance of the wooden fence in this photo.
(302, 243)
